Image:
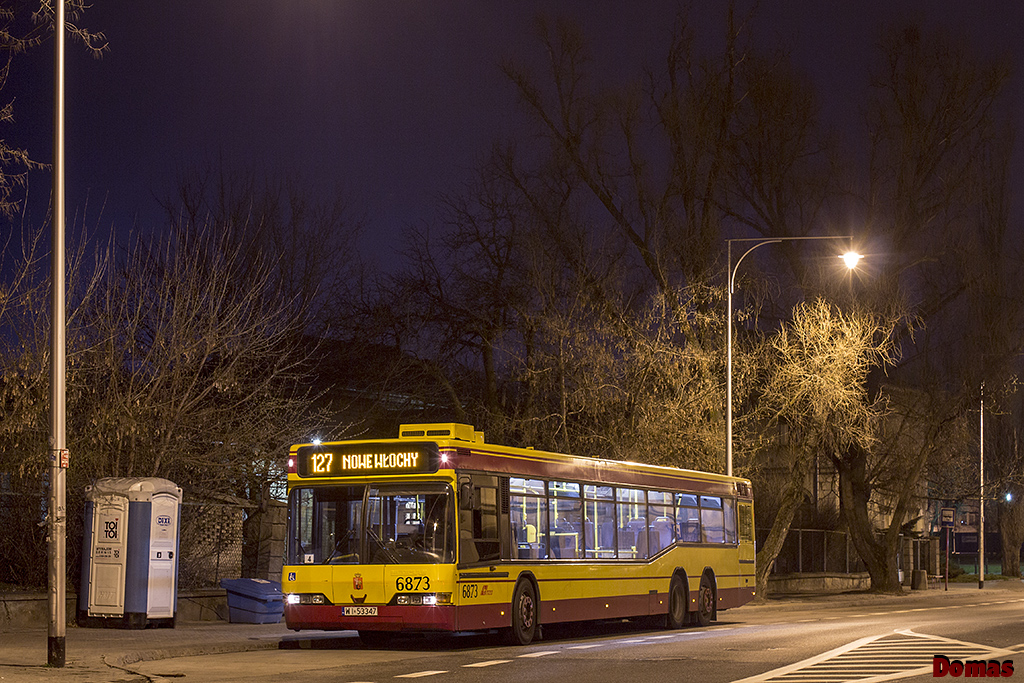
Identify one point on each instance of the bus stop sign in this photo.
(947, 517)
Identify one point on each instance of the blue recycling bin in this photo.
(253, 601)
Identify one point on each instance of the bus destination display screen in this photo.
(356, 460)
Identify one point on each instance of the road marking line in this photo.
(796, 666)
(540, 654)
(900, 654)
(585, 647)
(478, 665)
(421, 674)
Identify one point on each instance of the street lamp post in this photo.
(57, 519)
(850, 258)
(981, 494)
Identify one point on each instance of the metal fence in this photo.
(218, 540)
(816, 550)
(808, 551)
(23, 547)
(211, 544)
(229, 540)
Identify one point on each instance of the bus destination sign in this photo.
(354, 460)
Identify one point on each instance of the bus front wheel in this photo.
(705, 603)
(524, 613)
(676, 603)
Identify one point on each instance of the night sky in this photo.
(393, 101)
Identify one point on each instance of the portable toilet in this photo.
(130, 553)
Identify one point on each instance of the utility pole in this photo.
(981, 497)
(57, 519)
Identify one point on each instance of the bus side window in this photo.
(478, 529)
(565, 513)
(688, 518)
(659, 520)
(730, 520)
(712, 519)
(632, 520)
(528, 511)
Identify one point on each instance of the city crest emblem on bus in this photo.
(357, 582)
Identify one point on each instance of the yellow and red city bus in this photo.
(438, 530)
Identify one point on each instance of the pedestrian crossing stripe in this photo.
(874, 659)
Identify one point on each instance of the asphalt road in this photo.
(875, 639)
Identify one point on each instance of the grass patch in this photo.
(973, 578)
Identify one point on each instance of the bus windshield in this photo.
(407, 524)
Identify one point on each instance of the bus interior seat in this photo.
(689, 531)
(588, 533)
(606, 534)
(639, 529)
(663, 528)
(564, 545)
(467, 547)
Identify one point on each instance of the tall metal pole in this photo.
(728, 336)
(58, 445)
(981, 496)
(731, 271)
(728, 364)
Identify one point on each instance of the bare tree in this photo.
(816, 388)
(934, 107)
(24, 389)
(671, 219)
(305, 244)
(192, 372)
(18, 34)
(1005, 481)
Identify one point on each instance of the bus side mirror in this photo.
(467, 496)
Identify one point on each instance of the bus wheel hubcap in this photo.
(526, 611)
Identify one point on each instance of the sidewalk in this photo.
(97, 655)
(957, 590)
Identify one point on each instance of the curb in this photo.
(193, 651)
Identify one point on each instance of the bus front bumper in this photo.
(388, 618)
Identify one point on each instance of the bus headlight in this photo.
(429, 599)
(307, 599)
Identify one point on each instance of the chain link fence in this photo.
(222, 538)
(211, 545)
(23, 548)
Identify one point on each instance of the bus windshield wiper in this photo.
(388, 555)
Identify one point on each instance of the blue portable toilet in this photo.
(130, 553)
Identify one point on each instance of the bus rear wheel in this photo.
(676, 603)
(524, 613)
(705, 603)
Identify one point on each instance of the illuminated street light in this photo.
(850, 258)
